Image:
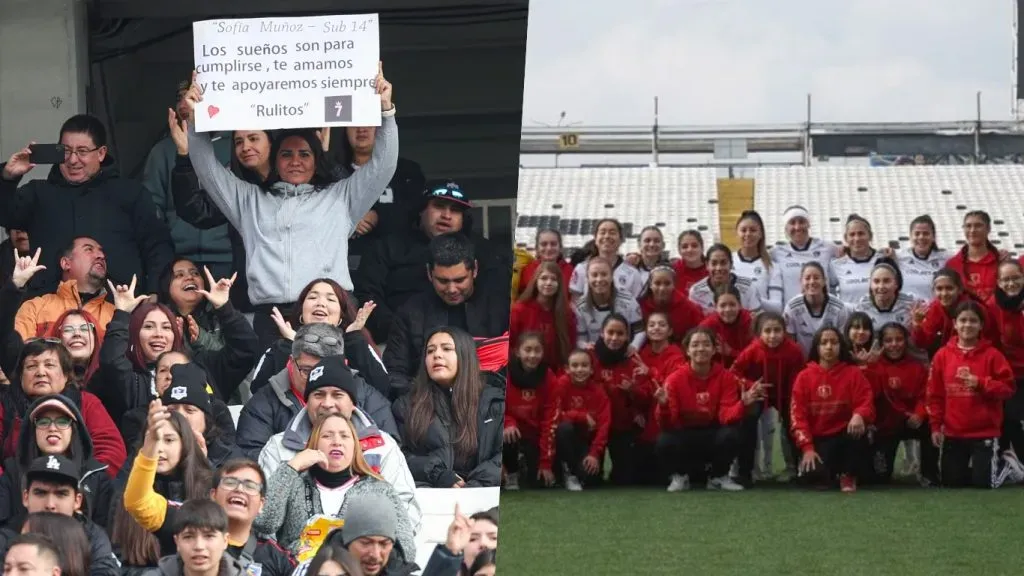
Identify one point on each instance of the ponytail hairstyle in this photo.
(926, 220)
(762, 245)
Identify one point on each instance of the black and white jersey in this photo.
(703, 295)
(628, 279)
(589, 318)
(900, 312)
(918, 273)
(791, 259)
(850, 278)
(767, 281)
(804, 324)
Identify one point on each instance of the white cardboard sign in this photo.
(277, 73)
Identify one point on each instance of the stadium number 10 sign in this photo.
(277, 73)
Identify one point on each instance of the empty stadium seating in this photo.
(891, 197)
(573, 199)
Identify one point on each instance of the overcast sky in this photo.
(753, 61)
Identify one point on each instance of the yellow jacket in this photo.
(522, 260)
(36, 315)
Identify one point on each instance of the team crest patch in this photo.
(316, 373)
(52, 464)
(179, 392)
(824, 391)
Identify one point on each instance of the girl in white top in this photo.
(921, 260)
(753, 262)
(601, 299)
(800, 249)
(652, 252)
(814, 308)
(720, 274)
(886, 302)
(608, 239)
(848, 274)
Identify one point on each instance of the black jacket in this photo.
(103, 562)
(357, 352)
(194, 206)
(6, 259)
(432, 459)
(133, 425)
(486, 317)
(121, 388)
(395, 270)
(116, 212)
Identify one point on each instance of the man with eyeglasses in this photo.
(240, 487)
(274, 405)
(83, 266)
(85, 196)
(395, 268)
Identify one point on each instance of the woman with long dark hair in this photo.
(662, 295)
(55, 426)
(543, 308)
(280, 220)
(753, 262)
(932, 325)
(450, 421)
(333, 560)
(731, 323)
(603, 297)
(690, 267)
(919, 261)
(608, 237)
(813, 308)
(169, 469)
(68, 533)
(720, 275)
(529, 393)
(179, 288)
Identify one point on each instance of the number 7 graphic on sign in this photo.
(338, 108)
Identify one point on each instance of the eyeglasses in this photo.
(62, 422)
(246, 486)
(80, 152)
(313, 339)
(304, 371)
(69, 330)
(47, 340)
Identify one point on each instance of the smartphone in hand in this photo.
(46, 153)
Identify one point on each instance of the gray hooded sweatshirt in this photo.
(294, 234)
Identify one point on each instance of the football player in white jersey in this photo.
(608, 239)
(848, 274)
(800, 249)
(652, 252)
(753, 262)
(814, 308)
(886, 302)
(719, 259)
(922, 259)
(603, 298)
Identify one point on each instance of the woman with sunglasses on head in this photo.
(54, 426)
(296, 201)
(141, 331)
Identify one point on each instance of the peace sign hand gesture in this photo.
(25, 268)
(220, 290)
(124, 296)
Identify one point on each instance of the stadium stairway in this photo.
(734, 196)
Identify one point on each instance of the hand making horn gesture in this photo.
(220, 291)
(384, 89)
(25, 267)
(124, 296)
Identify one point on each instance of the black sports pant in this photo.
(840, 454)
(971, 462)
(572, 444)
(690, 450)
(621, 450)
(885, 447)
(1013, 422)
(521, 452)
(748, 440)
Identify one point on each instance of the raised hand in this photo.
(283, 326)
(220, 290)
(157, 418)
(19, 164)
(25, 267)
(193, 96)
(324, 135)
(307, 459)
(124, 296)
(179, 131)
(193, 328)
(458, 532)
(361, 317)
(384, 89)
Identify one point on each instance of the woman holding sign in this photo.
(296, 225)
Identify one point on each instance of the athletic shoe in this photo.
(734, 470)
(573, 484)
(679, 483)
(1015, 470)
(724, 483)
(512, 481)
(848, 484)
(788, 475)
(762, 476)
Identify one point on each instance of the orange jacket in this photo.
(35, 315)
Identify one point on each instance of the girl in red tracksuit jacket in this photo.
(660, 357)
(731, 323)
(549, 249)
(691, 266)
(1005, 326)
(932, 325)
(978, 261)
(701, 407)
(900, 412)
(625, 381)
(831, 408)
(774, 359)
(581, 420)
(529, 400)
(662, 295)
(970, 380)
(541, 309)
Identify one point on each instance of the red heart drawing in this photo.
(213, 110)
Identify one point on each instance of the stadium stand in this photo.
(573, 200)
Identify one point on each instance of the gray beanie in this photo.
(369, 515)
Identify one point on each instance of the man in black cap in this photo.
(331, 389)
(396, 268)
(51, 485)
(189, 396)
